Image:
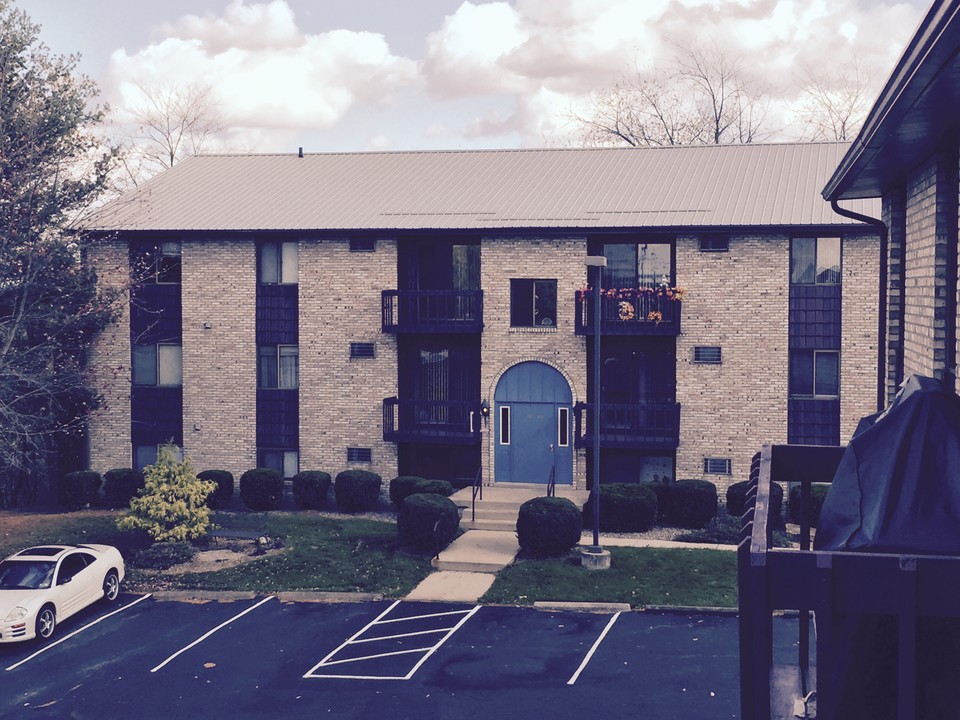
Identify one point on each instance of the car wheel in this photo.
(111, 586)
(46, 622)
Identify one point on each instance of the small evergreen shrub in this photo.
(121, 484)
(624, 507)
(357, 490)
(549, 526)
(406, 485)
(261, 489)
(221, 495)
(818, 491)
(692, 503)
(163, 555)
(310, 488)
(79, 489)
(173, 503)
(661, 490)
(737, 496)
(420, 513)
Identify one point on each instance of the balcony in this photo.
(643, 426)
(632, 311)
(431, 421)
(432, 311)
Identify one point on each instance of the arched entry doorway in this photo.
(532, 425)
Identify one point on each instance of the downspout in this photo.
(882, 314)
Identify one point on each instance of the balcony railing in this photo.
(432, 311)
(632, 311)
(651, 426)
(431, 421)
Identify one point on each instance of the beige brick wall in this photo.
(894, 216)
(860, 317)
(738, 300)
(109, 362)
(341, 400)
(218, 295)
(502, 346)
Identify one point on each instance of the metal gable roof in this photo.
(688, 186)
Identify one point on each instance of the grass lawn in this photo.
(639, 576)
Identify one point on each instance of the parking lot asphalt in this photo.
(263, 658)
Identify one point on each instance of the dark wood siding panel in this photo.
(278, 418)
(815, 317)
(277, 315)
(155, 314)
(813, 422)
(156, 415)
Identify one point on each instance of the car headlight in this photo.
(18, 613)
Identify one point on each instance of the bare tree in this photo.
(836, 101)
(703, 97)
(173, 122)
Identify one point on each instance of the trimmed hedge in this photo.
(406, 485)
(692, 503)
(624, 507)
(79, 489)
(219, 498)
(420, 513)
(737, 496)
(310, 488)
(261, 489)
(549, 526)
(357, 490)
(818, 491)
(121, 484)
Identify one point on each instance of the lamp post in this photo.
(597, 263)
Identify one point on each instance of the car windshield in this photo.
(26, 574)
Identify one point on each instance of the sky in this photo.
(359, 75)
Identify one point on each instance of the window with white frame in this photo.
(160, 364)
(815, 261)
(278, 366)
(533, 303)
(814, 374)
(285, 462)
(279, 263)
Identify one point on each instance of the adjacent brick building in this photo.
(429, 313)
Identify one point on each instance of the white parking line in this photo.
(211, 632)
(77, 632)
(593, 649)
(355, 639)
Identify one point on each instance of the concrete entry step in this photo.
(498, 509)
(479, 551)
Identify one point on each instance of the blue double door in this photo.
(533, 425)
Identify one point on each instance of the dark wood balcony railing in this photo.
(429, 421)
(652, 426)
(632, 311)
(432, 311)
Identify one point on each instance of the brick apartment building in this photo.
(428, 312)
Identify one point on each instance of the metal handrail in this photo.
(552, 482)
(477, 489)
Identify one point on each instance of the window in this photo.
(533, 303)
(278, 263)
(708, 355)
(814, 373)
(156, 262)
(362, 350)
(363, 244)
(637, 264)
(285, 462)
(505, 425)
(714, 243)
(158, 365)
(717, 466)
(144, 455)
(73, 565)
(815, 261)
(359, 455)
(278, 366)
(563, 427)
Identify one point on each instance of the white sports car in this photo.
(42, 586)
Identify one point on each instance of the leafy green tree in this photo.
(173, 503)
(52, 167)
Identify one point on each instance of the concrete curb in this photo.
(592, 607)
(690, 609)
(289, 596)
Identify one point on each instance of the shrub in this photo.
(310, 489)
(624, 507)
(420, 513)
(818, 491)
(737, 496)
(261, 489)
(406, 485)
(357, 490)
(223, 492)
(79, 489)
(163, 555)
(548, 526)
(173, 503)
(661, 490)
(692, 503)
(121, 484)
